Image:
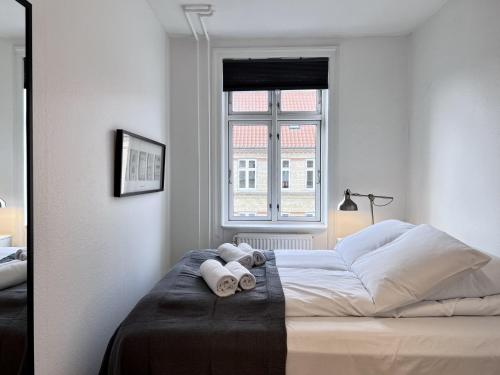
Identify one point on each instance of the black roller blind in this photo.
(275, 74)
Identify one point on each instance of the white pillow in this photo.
(12, 273)
(406, 270)
(481, 283)
(371, 238)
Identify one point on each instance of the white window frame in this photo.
(220, 150)
(274, 120)
(232, 177)
(287, 169)
(316, 119)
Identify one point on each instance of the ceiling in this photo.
(301, 18)
(11, 19)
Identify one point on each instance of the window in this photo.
(249, 150)
(249, 102)
(300, 101)
(285, 174)
(274, 155)
(246, 173)
(310, 172)
(298, 139)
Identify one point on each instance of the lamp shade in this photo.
(347, 204)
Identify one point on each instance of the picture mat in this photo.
(135, 146)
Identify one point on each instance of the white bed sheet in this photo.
(314, 285)
(325, 259)
(323, 292)
(407, 346)
(6, 251)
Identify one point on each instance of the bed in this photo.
(333, 324)
(13, 321)
(458, 345)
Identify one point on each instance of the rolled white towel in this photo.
(218, 278)
(22, 254)
(13, 273)
(230, 253)
(259, 258)
(245, 279)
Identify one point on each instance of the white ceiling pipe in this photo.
(201, 10)
(203, 26)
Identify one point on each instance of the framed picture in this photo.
(139, 164)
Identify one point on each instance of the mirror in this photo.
(15, 188)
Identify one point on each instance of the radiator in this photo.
(275, 241)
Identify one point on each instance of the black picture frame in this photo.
(119, 165)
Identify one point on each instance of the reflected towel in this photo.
(230, 253)
(245, 279)
(12, 273)
(22, 254)
(259, 258)
(218, 278)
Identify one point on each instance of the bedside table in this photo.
(5, 240)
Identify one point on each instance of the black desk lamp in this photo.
(2, 203)
(348, 205)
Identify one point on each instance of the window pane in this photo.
(285, 179)
(310, 179)
(286, 163)
(298, 144)
(251, 179)
(250, 101)
(250, 158)
(299, 101)
(310, 164)
(242, 180)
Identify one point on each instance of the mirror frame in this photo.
(28, 368)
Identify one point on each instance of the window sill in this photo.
(313, 227)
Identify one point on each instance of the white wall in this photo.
(372, 127)
(184, 226)
(98, 65)
(6, 133)
(370, 134)
(455, 125)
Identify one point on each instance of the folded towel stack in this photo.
(222, 282)
(12, 273)
(258, 256)
(246, 280)
(230, 253)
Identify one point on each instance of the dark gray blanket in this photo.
(13, 322)
(182, 328)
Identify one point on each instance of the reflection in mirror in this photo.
(13, 189)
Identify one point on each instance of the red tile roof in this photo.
(254, 136)
(298, 100)
(250, 101)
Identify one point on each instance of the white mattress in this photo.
(407, 346)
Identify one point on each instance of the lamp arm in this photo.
(371, 195)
